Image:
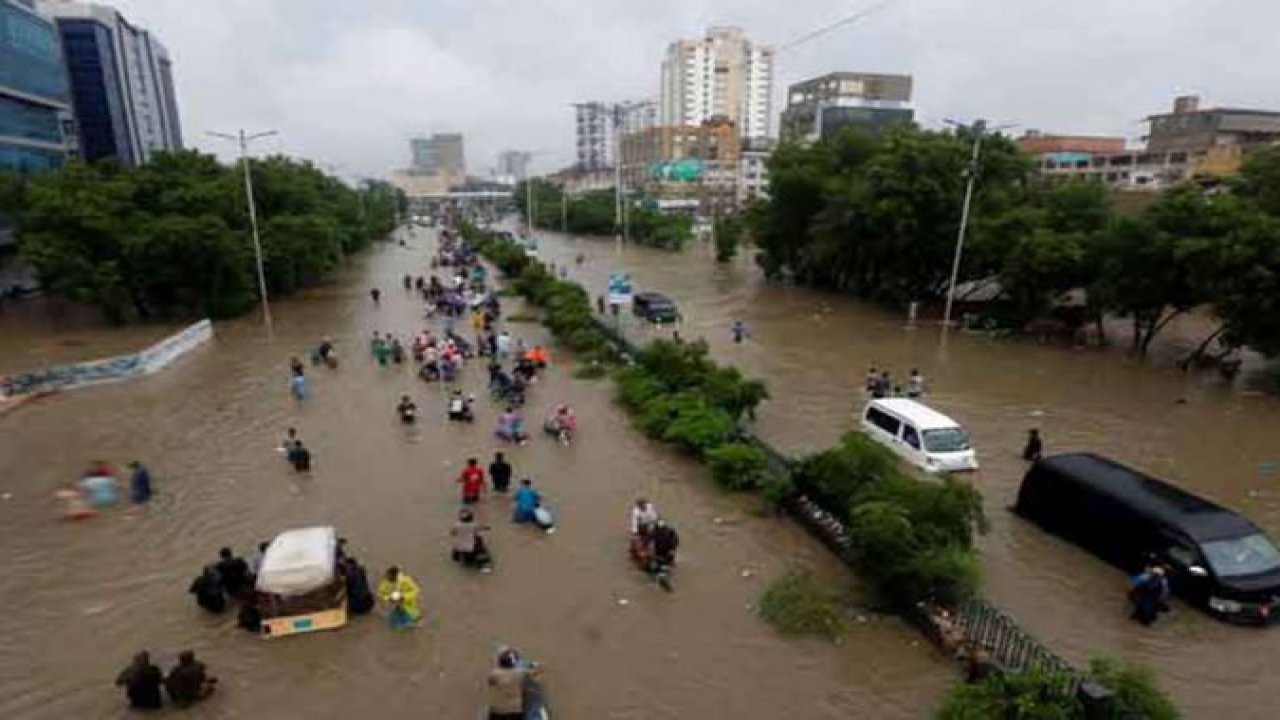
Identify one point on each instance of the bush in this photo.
(698, 427)
(778, 488)
(1029, 695)
(738, 466)
(1136, 693)
(912, 540)
(1035, 694)
(798, 603)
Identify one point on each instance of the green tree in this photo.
(73, 232)
(1259, 179)
(171, 237)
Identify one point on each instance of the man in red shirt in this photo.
(472, 481)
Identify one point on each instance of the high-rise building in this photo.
(440, 154)
(721, 75)
(36, 130)
(639, 115)
(122, 83)
(512, 164)
(595, 135)
(873, 102)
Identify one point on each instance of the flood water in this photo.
(80, 598)
(813, 349)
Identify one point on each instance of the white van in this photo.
(923, 436)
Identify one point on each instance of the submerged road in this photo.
(81, 598)
(813, 349)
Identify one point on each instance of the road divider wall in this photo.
(84, 374)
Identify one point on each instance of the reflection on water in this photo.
(80, 599)
(814, 348)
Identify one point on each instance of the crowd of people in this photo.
(439, 354)
(99, 489)
(879, 383)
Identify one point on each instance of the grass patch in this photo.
(798, 603)
(523, 318)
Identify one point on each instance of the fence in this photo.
(77, 375)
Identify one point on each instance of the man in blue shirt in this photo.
(527, 501)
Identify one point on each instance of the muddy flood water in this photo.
(814, 348)
(80, 598)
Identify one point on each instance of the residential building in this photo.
(1188, 143)
(685, 163)
(1124, 170)
(723, 74)
(753, 170)
(1194, 130)
(595, 136)
(819, 107)
(36, 128)
(440, 154)
(1034, 142)
(126, 106)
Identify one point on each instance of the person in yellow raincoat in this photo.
(400, 592)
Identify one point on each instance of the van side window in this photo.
(910, 436)
(884, 421)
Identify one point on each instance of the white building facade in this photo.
(595, 136)
(723, 74)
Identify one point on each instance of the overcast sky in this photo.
(348, 82)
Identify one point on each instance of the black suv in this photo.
(654, 307)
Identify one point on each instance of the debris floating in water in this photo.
(624, 602)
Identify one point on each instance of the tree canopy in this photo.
(171, 238)
(593, 213)
(878, 217)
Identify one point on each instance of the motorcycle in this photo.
(656, 567)
(562, 433)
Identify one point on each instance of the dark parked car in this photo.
(654, 307)
(1218, 559)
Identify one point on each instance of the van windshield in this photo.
(946, 440)
(1248, 555)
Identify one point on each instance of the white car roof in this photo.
(298, 561)
(920, 415)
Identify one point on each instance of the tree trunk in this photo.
(1185, 363)
(1154, 330)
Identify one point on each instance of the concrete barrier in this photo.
(93, 372)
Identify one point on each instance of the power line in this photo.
(835, 25)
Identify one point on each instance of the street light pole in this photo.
(980, 130)
(243, 141)
(617, 170)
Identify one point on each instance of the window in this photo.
(1249, 555)
(946, 440)
(911, 437)
(884, 421)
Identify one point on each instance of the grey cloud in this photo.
(349, 82)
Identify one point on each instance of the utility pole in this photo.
(528, 202)
(980, 130)
(617, 170)
(243, 141)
